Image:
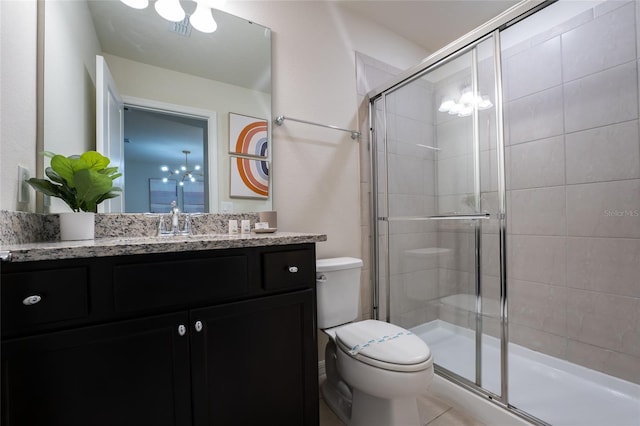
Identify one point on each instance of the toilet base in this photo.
(337, 402)
(369, 410)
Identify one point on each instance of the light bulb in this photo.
(183, 168)
(446, 105)
(193, 179)
(136, 4)
(176, 171)
(465, 111)
(197, 167)
(181, 183)
(165, 180)
(455, 109)
(202, 20)
(467, 97)
(171, 10)
(485, 103)
(164, 168)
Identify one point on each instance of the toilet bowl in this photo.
(375, 370)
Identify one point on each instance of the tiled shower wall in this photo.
(573, 179)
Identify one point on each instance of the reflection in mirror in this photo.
(158, 170)
(154, 62)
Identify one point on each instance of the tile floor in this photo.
(439, 414)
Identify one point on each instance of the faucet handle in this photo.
(187, 224)
(162, 229)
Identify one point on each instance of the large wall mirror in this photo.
(179, 87)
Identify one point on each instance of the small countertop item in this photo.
(265, 230)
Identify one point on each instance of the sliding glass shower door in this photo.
(438, 218)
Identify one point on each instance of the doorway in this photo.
(165, 158)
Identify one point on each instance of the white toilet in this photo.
(375, 370)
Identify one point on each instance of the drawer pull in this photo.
(31, 300)
(322, 278)
(293, 269)
(182, 330)
(198, 326)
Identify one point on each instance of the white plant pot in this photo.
(77, 226)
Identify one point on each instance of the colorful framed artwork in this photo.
(249, 178)
(248, 135)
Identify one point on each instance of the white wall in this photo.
(315, 171)
(70, 48)
(17, 98)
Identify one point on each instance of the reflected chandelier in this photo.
(172, 10)
(184, 171)
(464, 106)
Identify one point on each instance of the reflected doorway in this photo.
(165, 158)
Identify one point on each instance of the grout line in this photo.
(438, 416)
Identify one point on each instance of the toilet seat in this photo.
(383, 345)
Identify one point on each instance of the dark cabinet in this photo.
(211, 354)
(129, 373)
(261, 375)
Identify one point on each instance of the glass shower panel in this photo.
(430, 165)
(452, 336)
(488, 231)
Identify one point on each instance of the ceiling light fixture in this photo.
(202, 20)
(136, 4)
(171, 10)
(187, 174)
(464, 107)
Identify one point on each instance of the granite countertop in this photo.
(101, 247)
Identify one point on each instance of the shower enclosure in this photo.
(506, 210)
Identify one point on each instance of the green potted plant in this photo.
(82, 182)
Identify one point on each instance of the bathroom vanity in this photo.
(213, 330)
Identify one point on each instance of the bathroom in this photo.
(334, 196)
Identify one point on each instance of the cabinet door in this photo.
(255, 362)
(126, 373)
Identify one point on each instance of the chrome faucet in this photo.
(174, 228)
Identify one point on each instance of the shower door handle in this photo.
(474, 216)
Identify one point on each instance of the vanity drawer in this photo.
(290, 268)
(37, 297)
(151, 285)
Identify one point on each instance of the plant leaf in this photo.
(53, 190)
(90, 186)
(66, 167)
(95, 160)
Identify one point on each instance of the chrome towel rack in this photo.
(280, 119)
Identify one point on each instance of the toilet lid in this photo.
(384, 342)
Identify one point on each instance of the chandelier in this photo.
(184, 173)
(466, 103)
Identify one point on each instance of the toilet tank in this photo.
(338, 290)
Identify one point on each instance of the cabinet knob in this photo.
(182, 330)
(198, 326)
(293, 269)
(31, 300)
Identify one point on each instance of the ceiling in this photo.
(431, 24)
